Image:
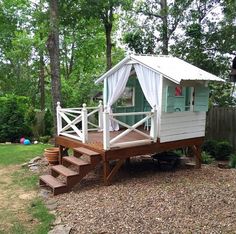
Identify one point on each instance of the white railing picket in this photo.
(153, 131)
(106, 133)
(59, 120)
(100, 116)
(84, 124)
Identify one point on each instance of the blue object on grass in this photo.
(27, 142)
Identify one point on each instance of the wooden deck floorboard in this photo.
(96, 138)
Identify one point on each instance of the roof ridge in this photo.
(153, 55)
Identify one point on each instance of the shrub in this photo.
(210, 146)
(220, 150)
(223, 150)
(232, 161)
(206, 158)
(44, 139)
(12, 118)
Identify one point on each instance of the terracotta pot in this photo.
(52, 155)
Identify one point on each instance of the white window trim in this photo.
(133, 99)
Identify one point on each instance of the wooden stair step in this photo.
(51, 181)
(62, 170)
(83, 150)
(76, 161)
(57, 186)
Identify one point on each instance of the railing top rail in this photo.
(69, 111)
(92, 107)
(80, 108)
(73, 108)
(131, 113)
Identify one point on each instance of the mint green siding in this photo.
(201, 95)
(170, 99)
(140, 104)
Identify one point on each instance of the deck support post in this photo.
(197, 155)
(153, 132)
(60, 154)
(106, 171)
(59, 122)
(100, 116)
(109, 174)
(106, 134)
(84, 124)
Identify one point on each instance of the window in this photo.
(127, 98)
(179, 98)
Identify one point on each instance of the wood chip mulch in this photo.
(146, 200)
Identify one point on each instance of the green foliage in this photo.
(40, 212)
(190, 30)
(221, 95)
(30, 117)
(220, 150)
(209, 147)
(44, 139)
(223, 150)
(16, 154)
(206, 158)
(140, 41)
(13, 124)
(48, 123)
(232, 161)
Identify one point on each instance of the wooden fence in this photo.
(221, 124)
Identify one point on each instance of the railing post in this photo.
(84, 124)
(106, 133)
(153, 131)
(100, 116)
(59, 120)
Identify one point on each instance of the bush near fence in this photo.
(221, 124)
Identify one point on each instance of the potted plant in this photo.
(52, 155)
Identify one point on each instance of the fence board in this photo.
(221, 124)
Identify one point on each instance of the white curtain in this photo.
(116, 86)
(150, 83)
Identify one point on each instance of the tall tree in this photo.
(160, 20)
(53, 48)
(104, 10)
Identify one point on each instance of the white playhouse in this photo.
(157, 98)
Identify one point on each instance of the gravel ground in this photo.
(145, 200)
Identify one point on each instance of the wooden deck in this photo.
(96, 138)
(120, 154)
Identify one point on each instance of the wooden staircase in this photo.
(70, 177)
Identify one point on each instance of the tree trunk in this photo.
(108, 29)
(53, 48)
(42, 83)
(165, 39)
(41, 79)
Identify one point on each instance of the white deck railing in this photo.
(108, 143)
(75, 122)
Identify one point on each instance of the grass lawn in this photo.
(17, 153)
(21, 210)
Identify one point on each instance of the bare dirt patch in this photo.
(14, 201)
(145, 200)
